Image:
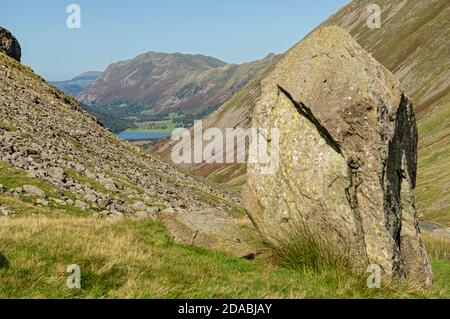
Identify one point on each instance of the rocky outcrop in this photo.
(347, 155)
(9, 44)
(416, 51)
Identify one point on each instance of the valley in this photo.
(189, 85)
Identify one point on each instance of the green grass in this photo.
(134, 259)
(415, 50)
(300, 249)
(13, 178)
(441, 271)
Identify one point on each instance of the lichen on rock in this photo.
(348, 155)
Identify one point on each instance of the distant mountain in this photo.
(160, 83)
(78, 83)
(88, 76)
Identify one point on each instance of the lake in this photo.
(136, 136)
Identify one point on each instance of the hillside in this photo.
(413, 44)
(72, 193)
(159, 83)
(56, 157)
(77, 84)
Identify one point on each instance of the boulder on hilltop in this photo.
(9, 44)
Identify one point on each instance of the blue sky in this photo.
(235, 31)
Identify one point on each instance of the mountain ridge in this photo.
(155, 83)
(413, 43)
(77, 84)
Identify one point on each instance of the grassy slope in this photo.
(138, 259)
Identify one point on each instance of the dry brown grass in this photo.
(438, 248)
(132, 259)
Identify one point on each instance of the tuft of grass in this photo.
(437, 248)
(138, 259)
(299, 248)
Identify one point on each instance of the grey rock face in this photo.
(9, 44)
(348, 150)
(109, 184)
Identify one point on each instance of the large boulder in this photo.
(347, 155)
(31, 190)
(9, 44)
